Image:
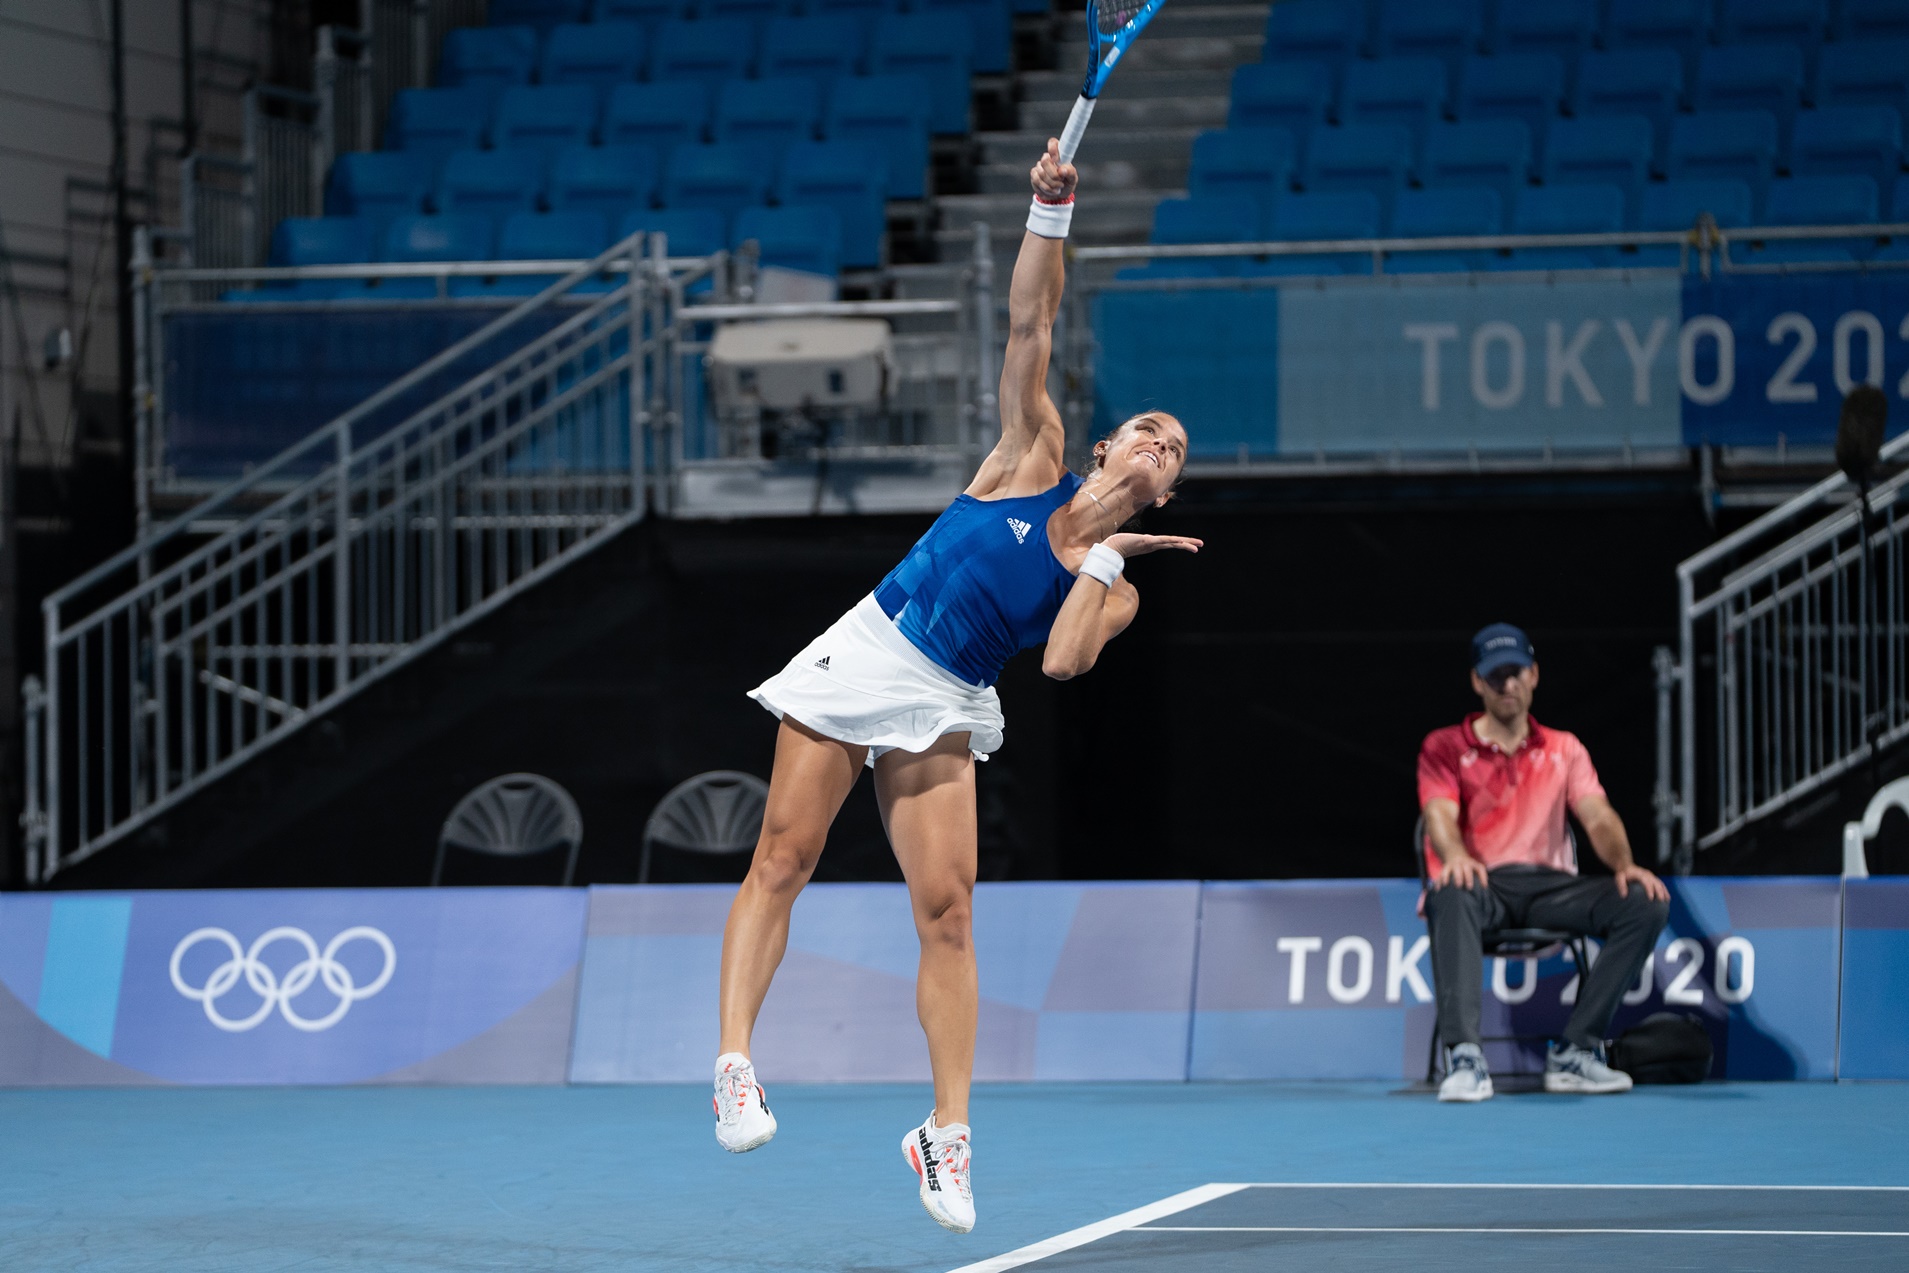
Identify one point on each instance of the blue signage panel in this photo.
(1334, 980)
(1763, 356)
(289, 986)
(1077, 982)
(1875, 1043)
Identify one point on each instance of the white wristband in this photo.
(1050, 220)
(1104, 564)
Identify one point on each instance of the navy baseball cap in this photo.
(1501, 645)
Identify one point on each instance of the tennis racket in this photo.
(1111, 26)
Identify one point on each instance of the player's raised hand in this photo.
(1053, 180)
(1130, 545)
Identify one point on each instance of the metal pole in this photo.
(638, 423)
(341, 562)
(987, 401)
(1687, 708)
(248, 181)
(142, 387)
(33, 817)
(1664, 798)
(657, 363)
(188, 82)
(325, 84)
(50, 714)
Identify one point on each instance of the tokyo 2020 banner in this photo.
(1503, 363)
(292, 986)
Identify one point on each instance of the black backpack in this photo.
(1665, 1047)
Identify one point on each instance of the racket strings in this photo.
(1115, 14)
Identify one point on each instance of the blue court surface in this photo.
(1081, 1176)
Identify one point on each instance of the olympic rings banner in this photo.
(1502, 363)
(293, 986)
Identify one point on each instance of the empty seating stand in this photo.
(851, 179)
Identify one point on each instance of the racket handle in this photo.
(1076, 127)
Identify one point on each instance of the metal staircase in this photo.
(347, 555)
(1793, 661)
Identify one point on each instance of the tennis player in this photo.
(904, 684)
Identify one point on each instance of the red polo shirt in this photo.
(1510, 807)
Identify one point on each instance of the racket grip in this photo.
(1076, 128)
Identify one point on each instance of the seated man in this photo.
(1494, 791)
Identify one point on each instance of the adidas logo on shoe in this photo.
(1020, 529)
(823, 662)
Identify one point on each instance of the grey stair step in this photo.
(1199, 52)
(1110, 142)
(1126, 114)
(1126, 85)
(1096, 177)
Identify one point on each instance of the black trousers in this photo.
(1538, 897)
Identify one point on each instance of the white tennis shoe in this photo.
(743, 1120)
(1569, 1068)
(939, 1156)
(1466, 1078)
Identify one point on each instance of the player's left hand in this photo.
(1131, 545)
(1052, 179)
(1652, 886)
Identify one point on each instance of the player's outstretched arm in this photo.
(1029, 454)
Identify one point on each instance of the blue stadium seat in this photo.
(662, 114)
(1797, 22)
(1899, 202)
(378, 185)
(494, 182)
(1295, 96)
(754, 12)
(540, 14)
(645, 13)
(1873, 73)
(850, 177)
(1740, 77)
(991, 22)
(541, 236)
(1561, 27)
(1872, 20)
(1257, 162)
(609, 180)
(1449, 30)
(1348, 214)
(864, 12)
(1331, 32)
(1842, 200)
(1682, 26)
(1606, 149)
(315, 241)
(456, 236)
(806, 238)
(1584, 209)
(690, 231)
(1647, 82)
(1408, 91)
(1528, 87)
(1226, 218)
(889, 112)
(1865, 140)
(768, 114)
(1452, 212)
(1485, 152)
(432, 122)
(939, 47)
(545, 117)
(1710, 145)
(487, 57)
(823, 47)
(1376, 158)
(603, 54)
(1677, 205)
(712, 51)
(726, 177)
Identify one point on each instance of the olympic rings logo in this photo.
(266, 984)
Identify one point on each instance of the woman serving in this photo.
(904, 684)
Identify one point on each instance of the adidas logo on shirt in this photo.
(1020, 529)
(823, 662)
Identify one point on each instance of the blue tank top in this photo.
(982, 584)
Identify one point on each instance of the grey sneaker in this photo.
(1467, 1079)
(1569, 1068)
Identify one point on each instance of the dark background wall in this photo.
(1261, 717)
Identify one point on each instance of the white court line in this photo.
(1313, 1228)
(1100, 1229)
(1207, 1193)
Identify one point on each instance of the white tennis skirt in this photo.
(863, 682)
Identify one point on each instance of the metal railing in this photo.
(1792, 665)
(348, 554)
